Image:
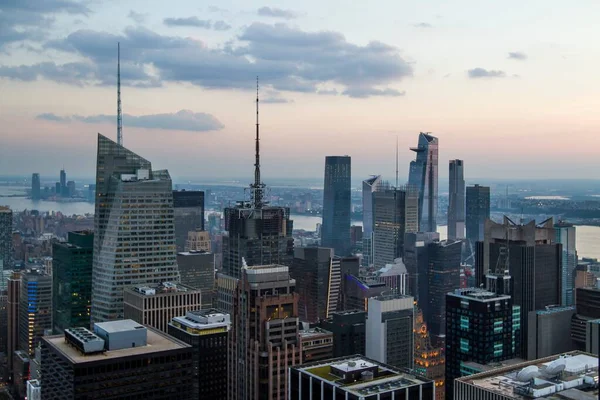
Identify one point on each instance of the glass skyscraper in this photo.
(369, 186)
(6, 224)
(335, 231)
(456, 200)
(565, 235)
(477, 211)
(134, 235)
(423, 175)
(36, 192)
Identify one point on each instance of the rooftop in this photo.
(478, 294)
(119, 326)
(157, 342)
(162, 288)
(203, 319)
(573, 375)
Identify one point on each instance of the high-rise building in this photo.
(443, 276)
(357, 377)
(395, 276)
(560, 376)
(416, 260)
(71, 188)
(456, 200)
(6, 224)
(477, 212)
(20, 374)
(349, 332)
(481, 326)
(36, 192)
(316, 344)
(72, 281)
(423, 175)
(134, 240)
(12, 312)
(530, 254)
(198, 241)
(395, 213)
(63, 183)
(565, 235)
(257, 234)
(357, 291)
(429, 360)
(335, 231)
(157, 305)
(197, 269)
(318, 282)
(208, 334)
(369, 186)
(548, 332)
(189, 214)
(120, 359)
(264, 336)
(35, 308)
(390, 325)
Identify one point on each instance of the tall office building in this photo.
(356, 291)
(36, 192)
(395, 213)
(357, 378)
(208, 334)
(72, 281)
(443, 276)
(188, 214)
(119, 360)
(566, 235)
(264, 336)
(349, 332)
(477, 212)
(318, 282)
(335, 231)
(12, 312)
(390, 325)
(316, 344)
(63, 183)
(456, 200)
(134, 241)
(369, 186)
(548, 332)
(429, 360)
(480, 327)
(35, 308)
(71, 188)
(6, 224)
(257, 234)
(530, 255)
(423, 175)
(197, 269)
(198, 241)
(416, 260)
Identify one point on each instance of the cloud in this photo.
(423, 25)
(286, 59)
(517, 55)
(189, 21)
(277, 13)
(484, 73)
(140, 18)
(276, 100)
(221, 26)
(184, 120)
(333, 92)
(46, 6)
(217, 9)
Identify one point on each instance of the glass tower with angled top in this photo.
(423, 175)
(134, 235)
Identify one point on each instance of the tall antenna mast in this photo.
(257, 186)
(119, 116)
(396, 161)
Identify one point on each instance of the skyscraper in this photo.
(197, 269)
(532, 258)
(369, 186)
(318, 279)
(12, 312)
(423, 175)
(395, 213)
(6, 224)
(36, 192)
(477, 212)
(134, 241)
(456, 200)
(72, 281)
(264, 336)
(349, 332)
(63, 182)
(257, 234)
(35, 308)
(416, 260)
(189, 214)
(566, 235)
(335, 232)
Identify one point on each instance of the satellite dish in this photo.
(528, 373)
(556, 367)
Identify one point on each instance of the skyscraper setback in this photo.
(456, 200)
(335, 232)
(423, 175)
(134, 241)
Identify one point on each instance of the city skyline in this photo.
(446, 70)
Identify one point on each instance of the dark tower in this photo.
(119, 111)
(335, 232)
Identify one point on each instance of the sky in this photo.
(510, 87)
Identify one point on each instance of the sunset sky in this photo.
(511, 87)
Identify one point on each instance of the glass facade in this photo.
(456, 200)
(335, 231)
(134, 241)
(423, 175)
(35, 309)
(477, 211)
(189, 214)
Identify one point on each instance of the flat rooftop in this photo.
(545, 378)
(388, 378)
(119, 326)
(157, 342)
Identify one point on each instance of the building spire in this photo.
(396, 161)
(119, 115)
(257, 186)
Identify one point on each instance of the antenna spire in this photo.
(257, 186)
(119, 112)
(396, 161)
